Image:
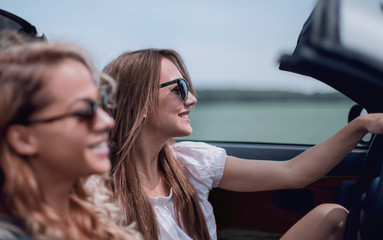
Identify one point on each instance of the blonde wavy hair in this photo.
(23, 72)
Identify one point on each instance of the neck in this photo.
(148, 145)
(147, 150)
(57, 196)
(55, 189)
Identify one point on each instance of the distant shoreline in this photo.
(235, 95)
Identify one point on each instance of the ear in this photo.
(145, 114)
(21, 140)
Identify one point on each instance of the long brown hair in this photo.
(24, 70)
(137, 75)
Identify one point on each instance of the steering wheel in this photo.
(366, 211)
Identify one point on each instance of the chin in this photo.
(183, 131)
(182, 134)
(102, 166)
(187, 132)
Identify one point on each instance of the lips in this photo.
(184, 115)
(101, 148)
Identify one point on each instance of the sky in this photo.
(224, 43)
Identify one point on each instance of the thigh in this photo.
(326, 221)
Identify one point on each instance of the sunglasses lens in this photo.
(184, 89)
(90, 112)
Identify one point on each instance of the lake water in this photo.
(298, 122)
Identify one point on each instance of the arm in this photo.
(307, 167)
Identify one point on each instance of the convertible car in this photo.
(340, 45)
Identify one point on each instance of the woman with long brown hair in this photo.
(53, 136)
(164, 186)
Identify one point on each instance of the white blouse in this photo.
(203, 164)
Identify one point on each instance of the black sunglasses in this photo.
(88, 114)
(183, 86)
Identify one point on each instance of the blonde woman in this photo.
(54, 135)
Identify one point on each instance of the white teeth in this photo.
(100, 145)
(184, 116)
(101, 149)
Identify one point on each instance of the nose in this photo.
(192, 100)
(103, 120)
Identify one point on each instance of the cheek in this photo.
(64, 143)
(169, 109)
(167, 118)
(160, 115)
(67, 149)
(64, 149)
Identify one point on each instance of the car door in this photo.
(271, 213)
(267, 213)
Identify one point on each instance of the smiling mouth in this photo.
(184, 115)
(100, 148)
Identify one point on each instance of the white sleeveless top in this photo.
(203, 164)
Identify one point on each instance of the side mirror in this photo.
(355, 112)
